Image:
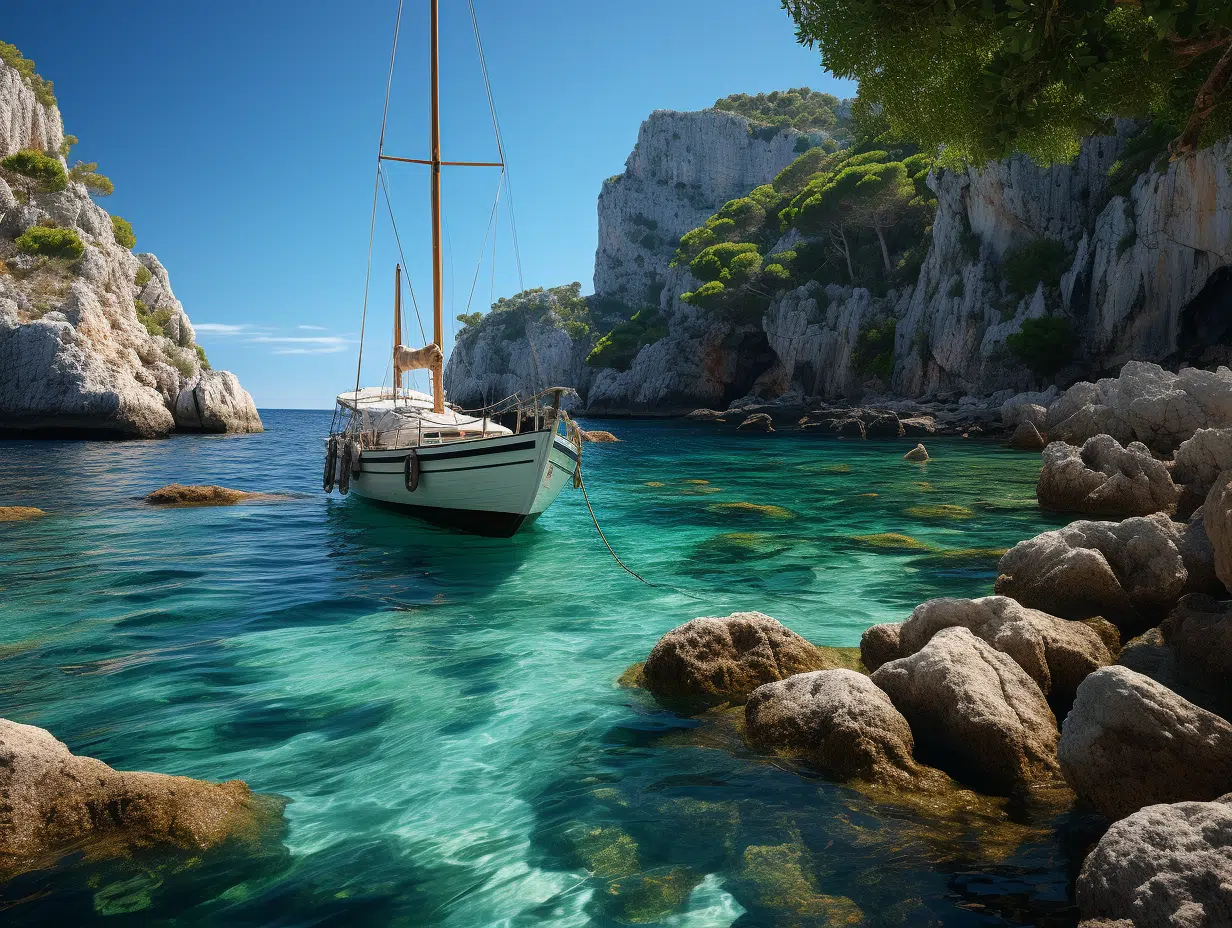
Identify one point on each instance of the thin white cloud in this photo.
(312, 328)
(332, 349)
(219, 328)
(299, 340)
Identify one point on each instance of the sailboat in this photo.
(423, 456)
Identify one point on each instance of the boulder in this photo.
(1199, 631)
(598, 436)
(1167, 865)
(1217, 517)
(919, 426)
(880, 645)
(1130, 742)
(850, 427)
(1056, 653)
(1202, 458)
(1026, 437)
(712, 661)
(1027, 407)
(918, 453)
(975, 713)
(216, 402)
(839, 721)
(1102, 478)
(758, 422)
(1130, 572)
(56, 803)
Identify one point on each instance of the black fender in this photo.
(331, 464)
(410, 471)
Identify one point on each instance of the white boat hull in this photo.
(488, 486)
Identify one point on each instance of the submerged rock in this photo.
(758, 422)
(891, 541)
(55, 802)
(918, 453)
(1130, 742)
(839, 721)
(712, 661)
(20, 513)
(598, 436)
(1056, 653)
(975, 713)
(1167, 865)
(1102, 478)
(176, 494)
(880, 644)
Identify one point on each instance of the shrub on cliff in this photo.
(45, 172)
(1042, 260)
(123, 232)
(44, 91)
(619, 347)
(798, 108)
(86, 173)
(1044, 345)
(874, 351)
(51, 243)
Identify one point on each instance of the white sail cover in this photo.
(407, 419)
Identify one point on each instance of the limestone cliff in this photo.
(95, 344)
(684, 167)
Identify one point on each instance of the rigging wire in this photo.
(397, 238)
(380, 150)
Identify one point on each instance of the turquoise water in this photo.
(442, 710)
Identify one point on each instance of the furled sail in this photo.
(425, 358)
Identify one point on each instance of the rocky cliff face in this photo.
(684, 167)
(1149, 278)
(74, 354)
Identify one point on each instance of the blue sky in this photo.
(242, 136)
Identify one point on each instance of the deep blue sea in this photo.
(442, 711)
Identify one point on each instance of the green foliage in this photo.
(45, 171)
(143, 275)
(53, 243)
(799, 108)
(619, 347)
(44, 91)
(716, 261)
(123, 232)
(563, 307)
(874, 351)
(988, 79)
(154, 321)
(469, 320)
(1146, 151)
(1044, 345)
(205, 362)
(1044, 259)
(67, 143)
(87, 173)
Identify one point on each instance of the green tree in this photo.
(470, 320)
(53, 243)
(1044, 345)
(44, 92)
(44, 172)
(87, 173)
(123, 232)
(992, 77)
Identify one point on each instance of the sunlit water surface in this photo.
(442, 711)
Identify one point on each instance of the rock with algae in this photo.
(940, 511)
(759, 510)
(891, 541)
(20, 513)
(55, 802)
(776, 878)
(711, 661)
(176, 494)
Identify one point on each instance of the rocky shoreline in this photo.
(1101, 665)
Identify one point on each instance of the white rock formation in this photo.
(74, 355)
(684, 167)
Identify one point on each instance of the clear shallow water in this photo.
(442, 710)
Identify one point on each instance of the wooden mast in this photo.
(397, 327)
(438, 267)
